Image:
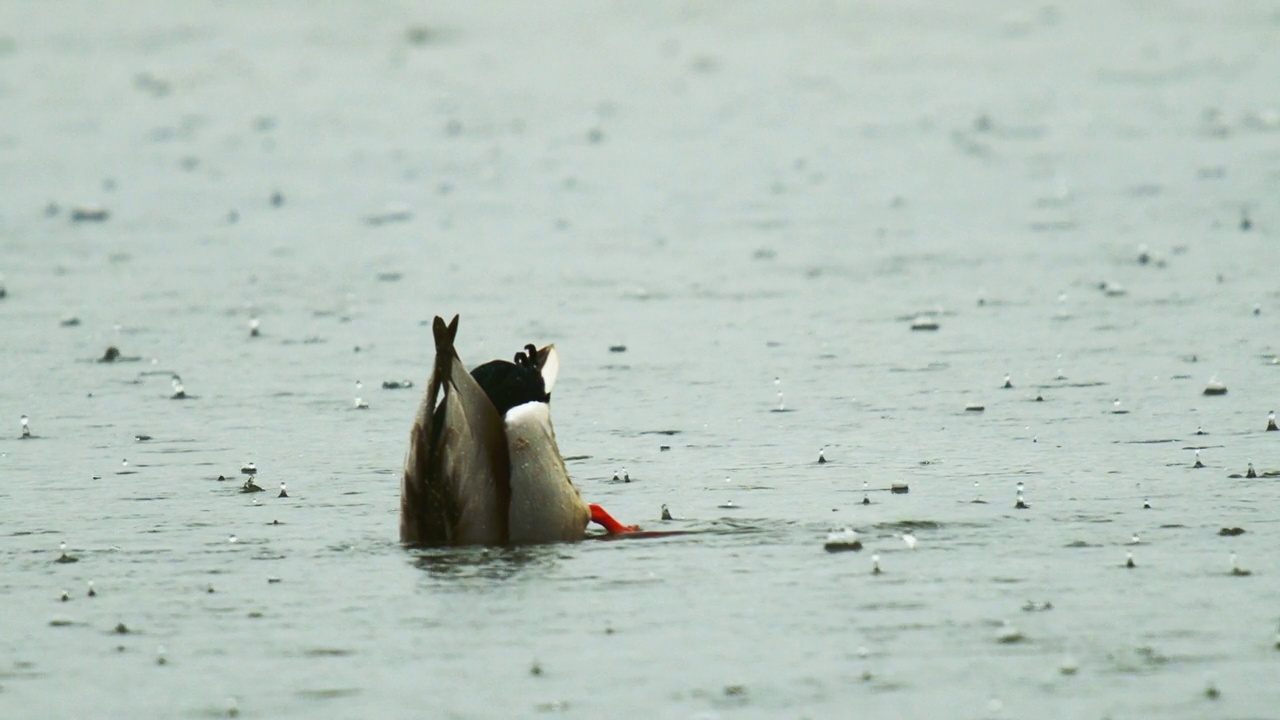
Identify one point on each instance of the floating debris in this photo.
(1236, 570)
(89, 213)
(1009, 634)
(64, 557)
(1112, 289)
(842, 541)
(392, 213)
(69, 321)
(1069, 665)
(924, 323)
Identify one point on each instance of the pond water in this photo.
(727, 219)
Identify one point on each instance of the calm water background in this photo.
(750, 198)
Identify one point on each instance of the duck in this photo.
(483, 466)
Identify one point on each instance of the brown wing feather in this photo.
(456, 486)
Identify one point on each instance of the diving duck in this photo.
(483, 466)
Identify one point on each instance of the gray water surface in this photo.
(752, 199)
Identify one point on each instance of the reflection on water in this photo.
(484, 563)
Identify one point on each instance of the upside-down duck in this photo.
(483, 466)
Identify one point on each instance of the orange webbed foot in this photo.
(601, 517)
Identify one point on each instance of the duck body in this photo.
(483, 466)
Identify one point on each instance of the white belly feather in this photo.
(545, 506)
